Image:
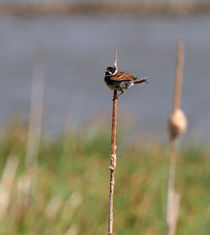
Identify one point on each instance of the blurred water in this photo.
(77, 50)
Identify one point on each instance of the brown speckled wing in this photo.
(122, 76)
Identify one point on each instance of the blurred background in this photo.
(78, 45)
(55, 113)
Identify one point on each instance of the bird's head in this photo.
(111, 71)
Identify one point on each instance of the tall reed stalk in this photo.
(113, 159)
(26, 182)
(36, 113)
(177, 125)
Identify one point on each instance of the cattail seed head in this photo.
(177, 123)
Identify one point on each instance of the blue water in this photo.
(77, 51)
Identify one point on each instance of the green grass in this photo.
(73, 175)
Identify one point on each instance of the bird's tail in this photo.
(142, 80)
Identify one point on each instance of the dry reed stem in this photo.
(6, 184)
(53, 208)
(176, 210)
(23, 197)
(113, 158)
(112, 164)
(179, 75)
(177, 125)
(173, 198)
(73, 230)
(36, 113)
(26, 182)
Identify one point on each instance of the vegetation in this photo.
(70, 187)
(38, 8)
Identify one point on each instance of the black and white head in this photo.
(111, 71)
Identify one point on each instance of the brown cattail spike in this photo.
(178, 120)
(177, 123)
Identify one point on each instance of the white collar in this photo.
(115, 72)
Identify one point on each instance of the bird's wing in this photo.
(122, 76)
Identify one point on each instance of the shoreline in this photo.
(104, 9)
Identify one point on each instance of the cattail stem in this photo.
(177, 125)
(178, 78)
(112, 164)
(173, 198)
(171, 193)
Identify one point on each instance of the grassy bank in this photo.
(70, 186)
(103, 8)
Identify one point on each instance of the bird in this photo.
(121, 81)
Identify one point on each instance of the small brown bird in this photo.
(121, 81)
